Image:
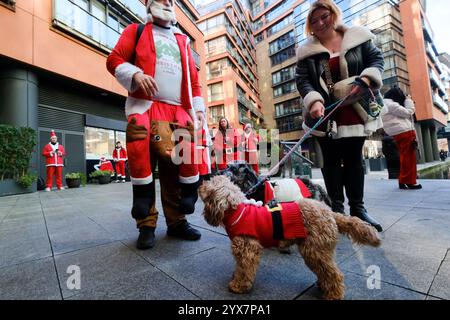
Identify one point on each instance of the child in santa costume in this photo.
(54, 153)
(250, 141)
(119, 157)
(159, 72)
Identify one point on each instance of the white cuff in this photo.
(198, 104)
(124, 75)
(312, 97)
(374, 75)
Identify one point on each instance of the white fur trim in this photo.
(356, 130)
(198, 104)
(124, 75)
(287, 190)
(253, 202)
(353, 36)
(374, 75)
(373, 125)
(141, 181)
(139, 106)
(312, 97)
(189, 180)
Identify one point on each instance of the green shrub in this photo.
(99, 173)
(77, 175)
(27, 180)
(16, 149)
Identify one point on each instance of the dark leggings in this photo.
(346, 151)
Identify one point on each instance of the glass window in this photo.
(101, 142)
(215, 92)
(215, 113)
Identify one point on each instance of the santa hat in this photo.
(102, 158)
(247, 125)
(52, 134)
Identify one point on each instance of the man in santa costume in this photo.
(250, 141)
(203, 144)
(159, 72)
(54, 153)
(119, 157)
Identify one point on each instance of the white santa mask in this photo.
(160, 11)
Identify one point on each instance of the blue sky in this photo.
(438, 13)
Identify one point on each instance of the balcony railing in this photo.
(76, 20)
(440, 103)
(136, 7)
(437, 82)
(430, 52)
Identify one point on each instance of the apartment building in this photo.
(444, 132)
(53, 71)
(275, 36)
(232, 78)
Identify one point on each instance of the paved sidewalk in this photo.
(42, 234)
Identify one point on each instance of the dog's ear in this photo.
(203, 190)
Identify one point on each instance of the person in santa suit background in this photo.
(54, 153)
(119, 157)
(250, 140)
(104, 165)
(226, 143)
(159, 72)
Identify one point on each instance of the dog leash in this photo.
(274, 169)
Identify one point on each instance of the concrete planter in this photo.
(73, 183)
(11, 187)
(104, 179)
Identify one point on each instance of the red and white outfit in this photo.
(267, 225)
(285, 190)
(251, 140)
(120, 156)
(226, 147)
(104, 165)
(54, 163)
(202, 151)
(399, 124)
(176, 63)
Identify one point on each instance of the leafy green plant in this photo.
(99, 173)
(27, 180)
(73, 175)
(77, 175)
(16, 149)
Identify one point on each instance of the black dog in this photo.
(245, 178)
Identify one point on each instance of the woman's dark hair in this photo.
(396, 94)
(228, 124)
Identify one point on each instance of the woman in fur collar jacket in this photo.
(348, 51)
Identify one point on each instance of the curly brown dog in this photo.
(315, 231)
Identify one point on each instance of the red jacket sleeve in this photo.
(46, 151)
(124, 49)
(63, 151)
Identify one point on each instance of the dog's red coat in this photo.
(256, 222)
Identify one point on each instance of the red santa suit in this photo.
(54, 162)
(104, 165)
(285, 190)
(250, 141)
(267, 225)
(120, 156)
(145, 108)
(226, 147)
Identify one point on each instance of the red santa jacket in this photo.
(121, 155)
(267, 225)
(53, 160)
(120, 64)
(226, 145)
(106, 166)
(250, 141)
(285, 190)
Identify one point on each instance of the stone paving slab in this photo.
(35, 280)
(100, 266)
(356, 289)
(441, 284)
